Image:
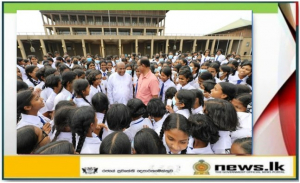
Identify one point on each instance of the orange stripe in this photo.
(41, 166)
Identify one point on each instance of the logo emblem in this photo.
(90, 170)
(201, 168)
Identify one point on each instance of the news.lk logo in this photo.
(274, 167)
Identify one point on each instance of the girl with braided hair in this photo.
(84, 123)
(62, 123)
(82, 90)
(32, 80)
(175, 133)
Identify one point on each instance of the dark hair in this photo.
(79, 72)
(100, 103)
(23, 99)
(50, 59)
(76, 67)
(19, 59)
(80, 85)
(197, 65)
(132, 68)
(204, 129)
(49, 71)
(228, 89)
(167, 71)
(137, 108)
(21, 85)
(89, 63)
(170, 93)
(63, 67)
(146, 141)
(184, 61)
(176, 121)
(91, 77)
(68, 77)
(64, 103)
(244, 98)
(187, 98)
(57, 65)
(222, 113)
(247, 63)
(187, 74)
(216, 66)
(198, 94)
(145, 62)
(239, 89)
(119, 121)
(178, 66)
(40, 73)
(208, 85)
(52, 81)
(227, 69)
(58, 147)
(29, 69)
(206, 76)
(156, 108)
(236, 65)
(81, 121)
(26, 139)
(62, 119)
(116, 143)
(59, 58)
(245, 143)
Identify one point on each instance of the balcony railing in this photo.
(74, 22)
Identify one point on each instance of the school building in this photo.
(118, 32)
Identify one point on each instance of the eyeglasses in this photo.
(44, 136)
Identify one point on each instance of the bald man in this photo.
(119, 86)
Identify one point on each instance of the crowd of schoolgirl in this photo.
(204, 105)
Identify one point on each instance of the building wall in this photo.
(246, 32)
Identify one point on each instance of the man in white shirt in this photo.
(219, 57)
(119, 86)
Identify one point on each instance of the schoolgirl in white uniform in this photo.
(137, 110)
(20, 65)
(207, 86)
(94, 79)
(82, 90)
(240, 104)
(28, 105)
(223, 75)
(185, 77)
(199, 102)
(67, 87)
(165, 82)
(175, 134)
(84, 123)
(243, 73)
(195, 67)
(157, 111)
(103, 84)
(32, 80)
(224, 116)
(204, 133)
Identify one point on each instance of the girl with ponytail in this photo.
(32, 80)
(82, 90)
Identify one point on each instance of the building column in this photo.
(144, 31)
(102, 48)
(167, 46)
(46, 32)
(194, 45)
(117, 31)
(157, 32)
(230, 46)
(43, 47)
(64, 45)
(136, 46)
(87, 31)
(71, 31)
(83, 47)
(206, 45)
(60, 20)
(152, 45)
(21, 47)
(54, 31)
(213, 47)
(102, 31)
(120, 49)
(131, 32)
(181, 45)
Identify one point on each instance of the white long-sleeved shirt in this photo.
(119, 88)
(192, 150)
(93, 91)
(187, 87)
(167, 85)
(245, 128)
(220, 58)
(22, 70)
(63, 95)
(223, 145)
(137, 125)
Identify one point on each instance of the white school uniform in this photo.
(245, 128)
(223, 145)
(224, 62)
(91, 145)
(158, 124)
(199, 110)
(93, 91)
(167, 85)
(45, 94)
(105, 131)
(219, 80)
(30, 120)
(22, 70)
(29, 83)
(195, 83)
(119, 88)
(192, 150)
(69, 65)
(40, 66)
(80, 102)
(234, 79)
(204, 59)
(184, 112)
(137, 125)
(63, 95)
(50, 101)
(220, 58)
(62, 136)
(188, 86)
(40, 85)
